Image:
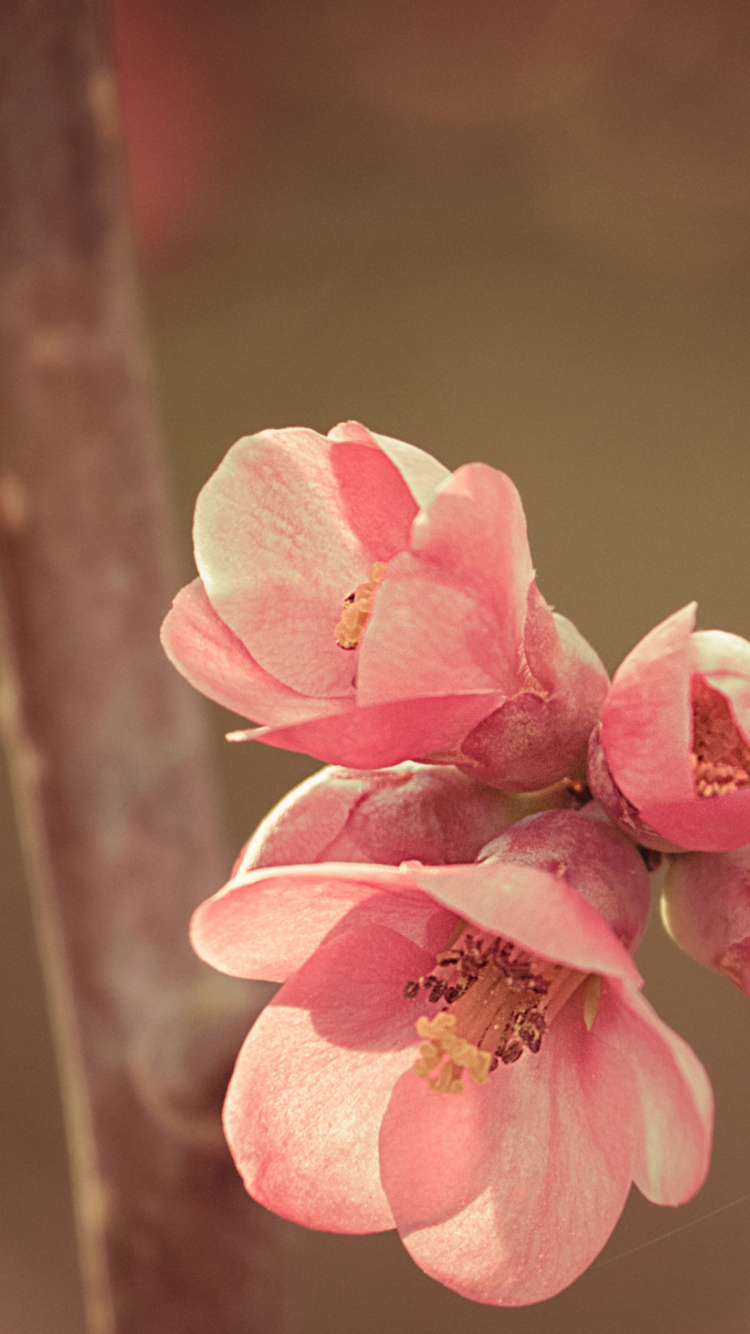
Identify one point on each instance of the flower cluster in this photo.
(459, 1048)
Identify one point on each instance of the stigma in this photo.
(497, 1004)
(720, 756)
(357, 607)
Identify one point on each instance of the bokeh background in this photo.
(501, 230)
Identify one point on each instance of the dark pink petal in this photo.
(621, 811)
(286, 528)
(508, 1191)
(214, 660)
(647, 718)
(421, 472)
(450, 615)
(304, 1107)
(673, 1140)
(535, 738)
(706, 824)
(539, 911)
(266, 924)
(382, 734)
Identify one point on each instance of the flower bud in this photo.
(437, 815)
(584, 849)
(671, 763)
(706, 909)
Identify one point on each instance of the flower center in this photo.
(357, 607)
(498, 1002)
(720, 755)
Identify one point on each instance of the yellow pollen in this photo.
(720, 756)
(357, 607)
(459, 1055)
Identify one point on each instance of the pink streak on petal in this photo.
(381, 734)
(313, 1080)
(266, 924)
(287, 527)
(508, 1191)
(450, 615)
(537, 910)
(647, 716)
(215, 661)
(723, 660)
(673, 1146)
(421, 472)
(704, 824)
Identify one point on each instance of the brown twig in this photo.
(104, 743)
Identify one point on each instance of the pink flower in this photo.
(672, 761)
(499, 985)
(706, 909)
(437, 815)
(369, 607)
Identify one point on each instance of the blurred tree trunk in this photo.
(105, 749)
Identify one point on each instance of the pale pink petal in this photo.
(723, 660)
(537, 910)
(215, 661)
(304, 1107)
(450, 614)
(287, 527)
(265, 925)
(647, 717)
(381, 734)
(508, 1191)
(421, 472)
(673, 1143)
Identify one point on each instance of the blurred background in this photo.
(503, 231)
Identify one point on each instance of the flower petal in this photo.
(265, 925)
(539, 911)
(450, 615)
(421, 472)
(508, 1191)
(647, 717)
(673, 1144)
(313, 1080)
(704, 824)
(287, 527)
(381, 734)
(724, 662)
(217, 663)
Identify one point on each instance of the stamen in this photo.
(357, 607)
(499, 1003)
(720, 755)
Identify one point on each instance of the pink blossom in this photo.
(706, 909)
(671, 763)
(368, 607)
(436, 815)
(461, 1052)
